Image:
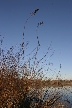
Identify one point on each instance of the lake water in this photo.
(49, 92)
(65, 93)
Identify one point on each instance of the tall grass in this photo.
(22, 85)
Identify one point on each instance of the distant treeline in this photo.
(57, 83)
(38, 82)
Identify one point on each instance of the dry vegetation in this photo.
(21, 86)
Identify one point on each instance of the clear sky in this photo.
(57, 27)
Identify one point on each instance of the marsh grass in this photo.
(21, 85)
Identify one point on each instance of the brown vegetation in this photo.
(20, 87)
(57, 83)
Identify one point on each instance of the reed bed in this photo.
(21, 85)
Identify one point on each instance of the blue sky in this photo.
(57, 27)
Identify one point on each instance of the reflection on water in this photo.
(65, 93)
(48, 95)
